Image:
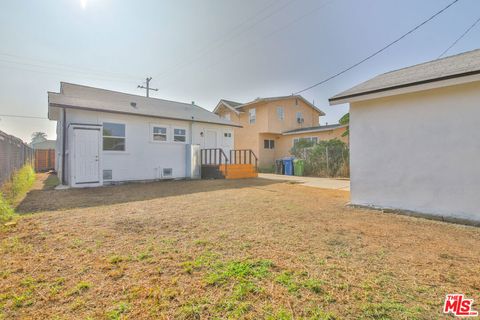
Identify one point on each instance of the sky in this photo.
(207, 50)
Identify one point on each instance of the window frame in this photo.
(269, 144)
(281, 113)
(152, 133)
(311, 138)
(298, 115)
(124, 137)
(173, 134)
(252, 116)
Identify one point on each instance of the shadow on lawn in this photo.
(46, 199)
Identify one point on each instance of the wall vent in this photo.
(167, 172)
(107, 174)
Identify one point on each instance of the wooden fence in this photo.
(14, 154)
(44, 160)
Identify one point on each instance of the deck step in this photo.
(238, 171)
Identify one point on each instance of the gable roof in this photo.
(311, 105)
(231, 105)
(327, 127)
(82, 97)
(452, 67)
(238, 106)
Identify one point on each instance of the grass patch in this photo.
(389, 310)
(294, 282)
(80, 288)
(118, 311)
(239, 270)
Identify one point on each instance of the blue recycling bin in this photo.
(288, 165)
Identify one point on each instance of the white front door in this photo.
(210, 139)
(86, 155)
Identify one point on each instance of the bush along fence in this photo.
(16, 174)
(323, 159)
(14, 154)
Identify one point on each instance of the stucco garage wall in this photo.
(418, 151)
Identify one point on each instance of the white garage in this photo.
(415, 139)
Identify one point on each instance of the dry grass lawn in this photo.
(252, 249)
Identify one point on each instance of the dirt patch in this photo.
(250, 249)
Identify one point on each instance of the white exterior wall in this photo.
(418, 152)
(143, 159)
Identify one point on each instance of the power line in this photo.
(21, 116)
(229, 36)
(459, 38)
(379, 51)
(249, 44)
(63, 67)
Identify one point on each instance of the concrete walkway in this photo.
(325, 183)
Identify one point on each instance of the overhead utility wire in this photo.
(20, 116)
(459, 38)
(377, 52)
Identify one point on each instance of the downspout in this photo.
(64, 143)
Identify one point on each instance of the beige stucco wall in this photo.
(285, 142)
(267, 124)
(418, 151)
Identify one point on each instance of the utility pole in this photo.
(147, 87)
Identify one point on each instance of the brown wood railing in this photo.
(243, 156)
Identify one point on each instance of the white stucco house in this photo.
(415, 139)
(106, 137)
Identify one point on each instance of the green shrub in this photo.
(6, 211)
(22, 181)
(14, 190)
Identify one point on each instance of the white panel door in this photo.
(86, 164)
(210, 139)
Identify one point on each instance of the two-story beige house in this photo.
(271, 126)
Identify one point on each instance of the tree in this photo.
(345, 120)
(39, 137)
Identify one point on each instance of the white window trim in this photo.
(124, 137)
(250, 113)
(173, 135)
(282, 118)
(158, 125)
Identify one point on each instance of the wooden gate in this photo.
(44, 160)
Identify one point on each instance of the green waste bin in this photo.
(298, 167)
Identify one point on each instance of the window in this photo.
(312, 139)
(280, 113)
(299, 117)
(226, 116)
(113, 136)
(159, 133)
(227, 134)
(269, 144)
(252, 115)
(179, 135)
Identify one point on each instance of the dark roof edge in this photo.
(406, 85)
(139, 114)
(318, 128)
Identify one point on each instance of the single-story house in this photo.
(105, 137)
(414, 138)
